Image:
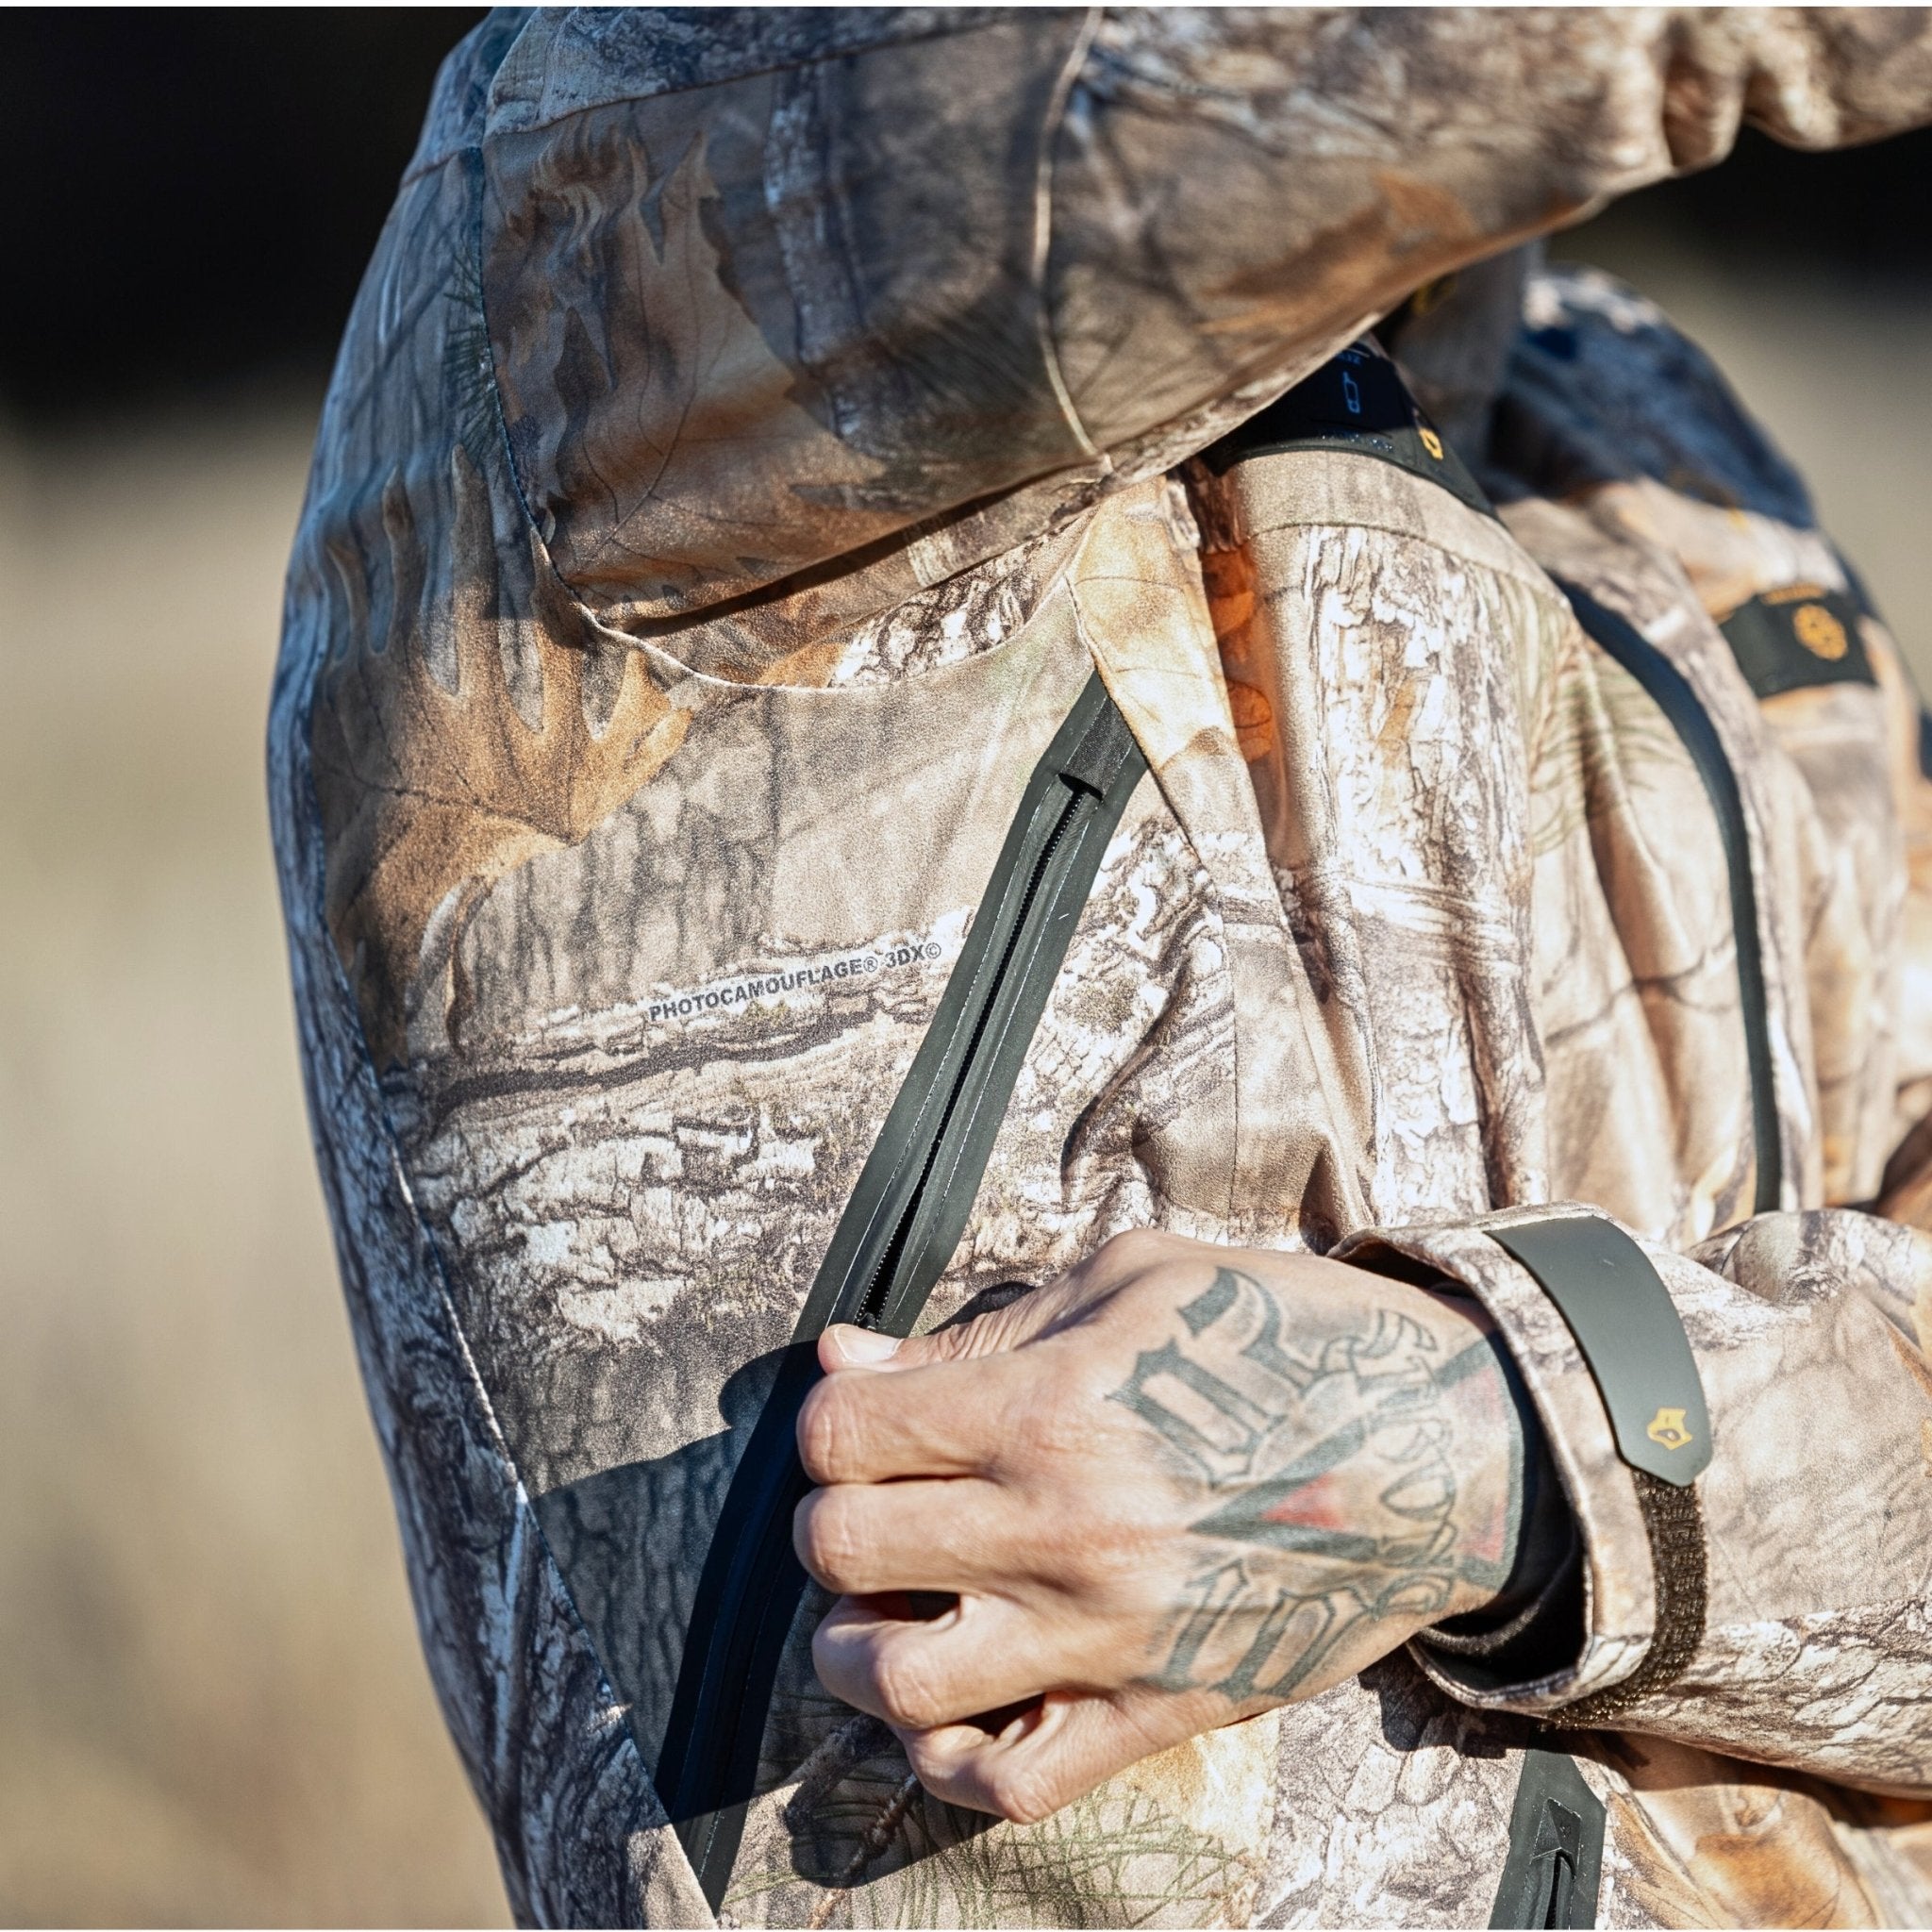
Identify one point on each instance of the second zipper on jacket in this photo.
(1672, 692)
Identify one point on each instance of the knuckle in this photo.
(1038, 1419)
(1133, 1251)
(950, 1343)
(1085, 1568)
(835, 1542)
(816, 1427)
(907, 1693)
(1057, 1421)
(1102, 1575)
(828, 1429)
(940, 1771)
(1023, 1795)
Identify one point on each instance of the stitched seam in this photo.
(1042, 226)
(1520, 568)
(297, 777)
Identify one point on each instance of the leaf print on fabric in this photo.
(566, 1230)
(855, 1841)
(430, 789)
(1602, 735)
(646, 429)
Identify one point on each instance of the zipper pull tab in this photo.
(1101, 755)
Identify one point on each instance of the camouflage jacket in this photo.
(754, 431)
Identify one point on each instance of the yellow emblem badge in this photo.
(1431, 442)
(1820, 632)
(1667, 1429)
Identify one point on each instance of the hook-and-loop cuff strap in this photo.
(1631, 1338)
(1626, 1325)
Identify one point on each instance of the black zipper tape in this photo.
(1358, 404)
(1673, 697)
(1554, 1867)
(894, 1238)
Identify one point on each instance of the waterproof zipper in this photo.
(895, 1237)
(1672, 692)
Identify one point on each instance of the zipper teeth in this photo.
(880, 1284)
(724, 1682)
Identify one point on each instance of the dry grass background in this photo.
(212, 1709)
(211, 1706)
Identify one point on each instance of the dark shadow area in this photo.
(631, 1542)
(1857, 215)
(193, 194)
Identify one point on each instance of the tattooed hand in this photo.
(1183, 1484)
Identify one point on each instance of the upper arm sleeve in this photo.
(812, 298)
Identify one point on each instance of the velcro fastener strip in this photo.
(1797, 637)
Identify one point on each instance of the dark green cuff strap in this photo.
(1628, 1327)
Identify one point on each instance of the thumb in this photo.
(996, 1332)
(844, 1345)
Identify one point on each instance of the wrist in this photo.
(1507, 1494)
(1522, 1558)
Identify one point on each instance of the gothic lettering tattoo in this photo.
(1332, 1495)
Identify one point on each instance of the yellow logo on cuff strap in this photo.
(1667, 1429)
(1820, 632)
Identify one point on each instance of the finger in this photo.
(862, 1538)
(1029, 1315)
(996, 1332)
(942, 1419)
(982, 1653)
(1049, 1753)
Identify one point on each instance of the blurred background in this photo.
(212, 1709)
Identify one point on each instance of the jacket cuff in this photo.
(1534, 1628)
(1616, 1524)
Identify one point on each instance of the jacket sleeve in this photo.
(760, 311)
(1906, 1195)
(1781, 1607)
